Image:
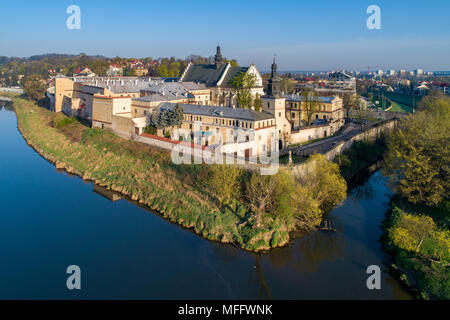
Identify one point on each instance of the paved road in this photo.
(324, 145)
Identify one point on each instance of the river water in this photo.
(50, 220)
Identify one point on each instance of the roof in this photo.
(232, 73)
(155, 97)
(299, 98)
(118, 84)
(222, 112)
(208, 74)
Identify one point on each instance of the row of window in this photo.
(234, 123)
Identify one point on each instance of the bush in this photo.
(60, 120)
(150, 130)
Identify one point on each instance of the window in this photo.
(293, 115)
(279, 114)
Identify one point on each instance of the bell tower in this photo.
(274, 102)
(218, 59)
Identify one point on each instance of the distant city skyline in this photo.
(305, 35)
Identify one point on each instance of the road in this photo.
(326, 144)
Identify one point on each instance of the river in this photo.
(50, 220)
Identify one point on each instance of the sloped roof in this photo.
(298, 98)
(222, 112)
(232, 73)
(204, 73)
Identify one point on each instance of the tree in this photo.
(429, 100)
(224, 181)
(287, 86)
(310, 103)
(260, 197)
(325, 183)
(418, 156)
(419, 234)
(167, 118)
(347, 103)
(257, 103)
(242, 85)
(358, 105)
(34, 87)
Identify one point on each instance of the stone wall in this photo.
(310, 133)
(374, 132)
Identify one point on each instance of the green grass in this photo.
(398, 107)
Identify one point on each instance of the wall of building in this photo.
(123, 127)
(310, 133)
(63, 88)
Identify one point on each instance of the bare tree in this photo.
(310, 103)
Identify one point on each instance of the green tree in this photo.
(325, 182)
(257, 103)
(224, 181)
(418, 156)
(242, 85)
(419, 234)
(34, 87)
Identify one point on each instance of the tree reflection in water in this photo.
(309, 251)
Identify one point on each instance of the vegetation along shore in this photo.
(417, 228)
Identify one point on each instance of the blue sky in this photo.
(305, 35)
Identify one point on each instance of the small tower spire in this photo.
(274, 87)
(218, 59)
(274, 67)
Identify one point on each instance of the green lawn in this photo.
(398, 107)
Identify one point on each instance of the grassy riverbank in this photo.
(418, 238)
(146, 175)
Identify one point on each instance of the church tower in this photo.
(274, 87)
(218, 59)
(274, 102)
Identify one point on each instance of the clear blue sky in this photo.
(305, 35)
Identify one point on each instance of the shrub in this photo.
(60, 120)
(150, 130)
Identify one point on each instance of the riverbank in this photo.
(418, 239)
(144, 174)
(360, 157)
